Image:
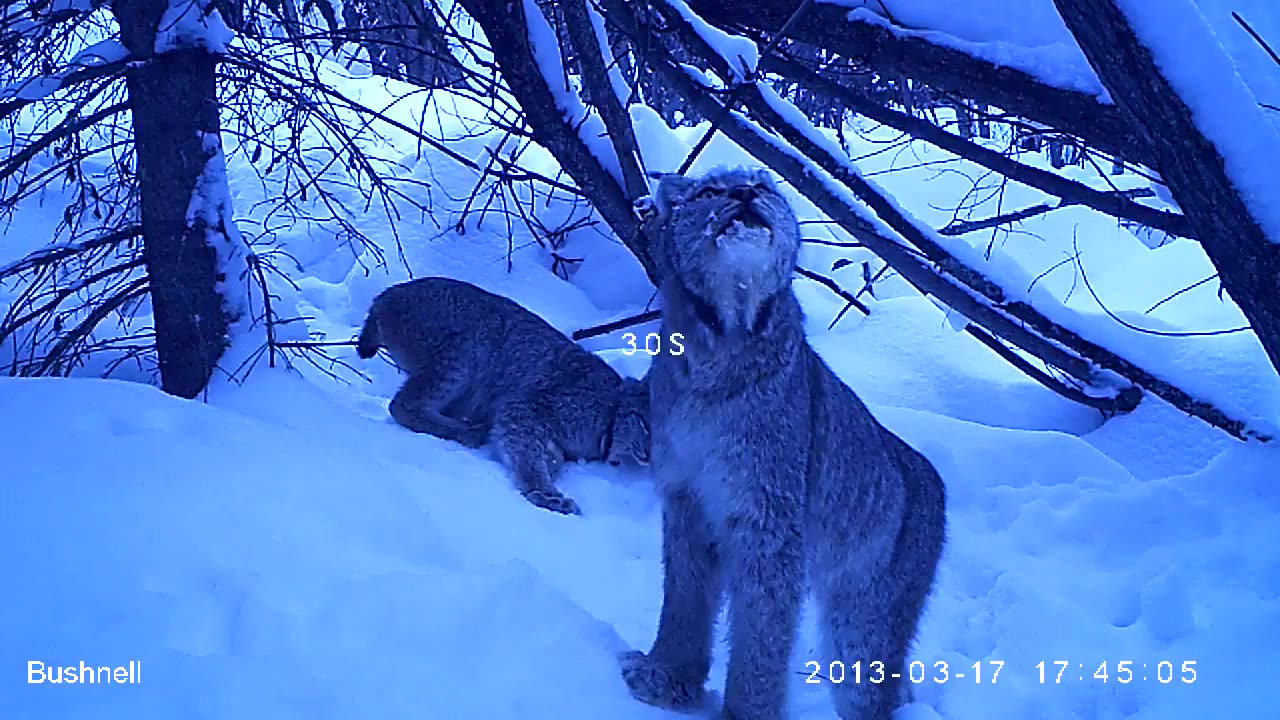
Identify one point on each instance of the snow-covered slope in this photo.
(272, 555)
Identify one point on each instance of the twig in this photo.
(609, 327)
(255, 264)
(834, 287)
(86, 326)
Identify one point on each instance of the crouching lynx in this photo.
(775, 477)
(482, 368)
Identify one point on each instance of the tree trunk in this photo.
(174, 104)
(1248, 262)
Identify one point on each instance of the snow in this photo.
(42, 86)
(1225, 110)
(100, 53)
(211, 205)
(1170, 358)
(272, 554)
(1051, 57)
(621, 89)
(282, 550)
(192, 23)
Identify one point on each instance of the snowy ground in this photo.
(284, 551)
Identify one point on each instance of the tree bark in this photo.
(1248, 261)
(174, 104)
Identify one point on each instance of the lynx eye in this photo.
(705, 193)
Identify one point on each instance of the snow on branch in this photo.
(602, 88)
(873, 44)
(21, 93)
(1057, 64)
(192, 24)
(1224, 109)
(546, 54)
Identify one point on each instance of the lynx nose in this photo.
(743, 193)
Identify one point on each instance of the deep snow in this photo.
(284, 551)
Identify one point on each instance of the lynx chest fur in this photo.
(714, 441)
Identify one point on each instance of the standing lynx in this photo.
(776, 480)
(483, 368)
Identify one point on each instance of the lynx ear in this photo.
(669, 191)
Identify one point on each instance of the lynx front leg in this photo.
(765, 569)
(418, 404)
(672, 674)
(524, 445)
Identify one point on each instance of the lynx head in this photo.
(729, 239)
(631, 425)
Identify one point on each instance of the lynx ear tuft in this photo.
(669, 191)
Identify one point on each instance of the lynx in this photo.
(484, 369)
(776, 480)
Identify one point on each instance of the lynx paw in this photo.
(474, 436)
(656, 684)
(553, 500)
